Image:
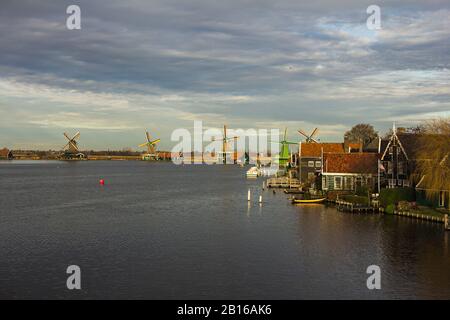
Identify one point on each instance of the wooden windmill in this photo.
(71, 148)
(225, 139)
(309, 138)
(285, 155)
(151, 147)
(72, 145)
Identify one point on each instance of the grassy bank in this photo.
(431, 212)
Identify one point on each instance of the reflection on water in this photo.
(156, 230)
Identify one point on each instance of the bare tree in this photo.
(434, 156)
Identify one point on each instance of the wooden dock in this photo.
(283, 182)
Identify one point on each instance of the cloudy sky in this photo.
(161, 64)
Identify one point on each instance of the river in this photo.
(160, 231)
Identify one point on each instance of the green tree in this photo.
(362, 132)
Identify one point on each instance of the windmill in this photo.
(309, 138)
(151, 152)
(285, 156)
(224, 140)
(71, 148)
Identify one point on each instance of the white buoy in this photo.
(260, 199)
(248, 195)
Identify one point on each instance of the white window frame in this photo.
(310, 164)
(348, 182)
(324, 183)
(335, 183)
(318, 164)
(392, 183)
(401, 167)
(441, 199)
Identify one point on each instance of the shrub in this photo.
(404, 206)
(394, 196)
(390, 209)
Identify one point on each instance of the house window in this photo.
(318, 164)
(392, 183)
(400, 167)
(337, 183)
(324, 183)
(369, 182)
(441, 198)
(391, 150)
(359, 182)
(406, 183)
(311, 164)
(311, 176)
(389, 167)
(348, 182)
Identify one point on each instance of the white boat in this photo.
(253, 172)
(268, 171)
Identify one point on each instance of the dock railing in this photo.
(283, 182)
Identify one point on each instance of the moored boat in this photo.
(317, 200)
(253, 172)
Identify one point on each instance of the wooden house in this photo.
(440, 197)
(398, 159)
(310, 156)
(349, 171)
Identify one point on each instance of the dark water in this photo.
(157, 231)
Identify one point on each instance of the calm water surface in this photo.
(160, 231)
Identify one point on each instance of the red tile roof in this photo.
(315, 149)
(350, 162)
(4, 153)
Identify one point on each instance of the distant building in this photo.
(5, 154)
(349, 171)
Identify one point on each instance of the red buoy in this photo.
(102, 182)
